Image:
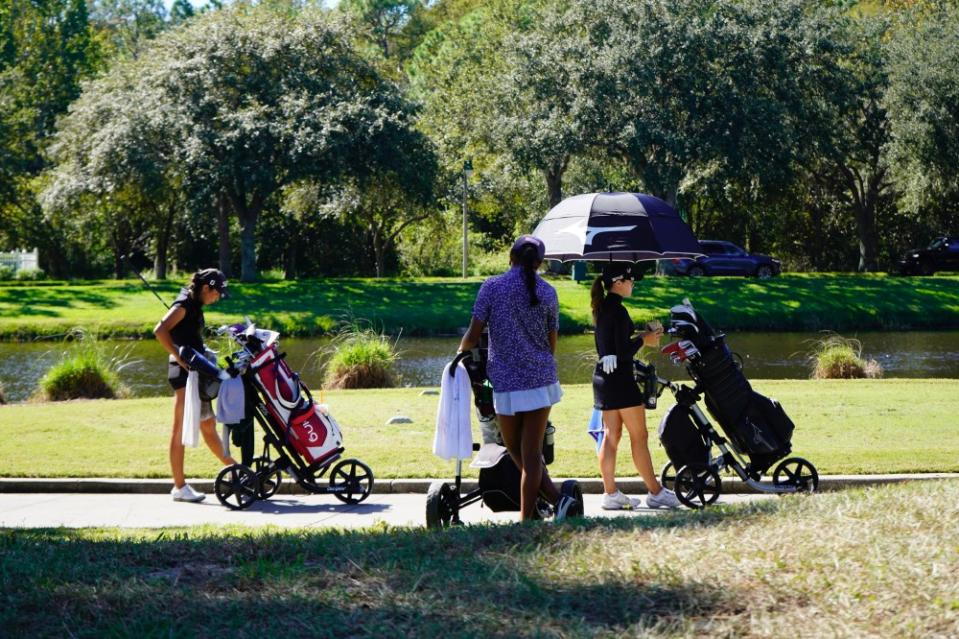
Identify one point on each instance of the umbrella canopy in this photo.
(615, 226)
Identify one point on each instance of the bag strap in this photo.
(294, 403)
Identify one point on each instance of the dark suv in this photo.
(725, 258)
(941, 255)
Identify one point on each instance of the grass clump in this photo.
(837, 357)
(86, 371)
(361, 358)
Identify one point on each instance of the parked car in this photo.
(725, 258)
(942, 254)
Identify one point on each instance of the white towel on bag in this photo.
(454, 433)
(190, 436)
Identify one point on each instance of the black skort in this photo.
(176, 374)
(616, 390)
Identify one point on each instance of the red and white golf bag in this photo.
(310, 429)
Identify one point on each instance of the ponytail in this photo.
(196, 283)
(597, 295)
(194, 286)
(529, 259)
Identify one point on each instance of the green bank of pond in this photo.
(435, 306)
(902, 354)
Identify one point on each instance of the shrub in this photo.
(6, 273)
(361, 358)
(29, 275)
(486, 263)
(85, 370)
(837, 357)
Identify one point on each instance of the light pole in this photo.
(467, 172)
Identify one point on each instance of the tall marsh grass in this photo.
(87, 369)
(361, 357)
(838, 357)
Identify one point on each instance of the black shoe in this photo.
(568, 507)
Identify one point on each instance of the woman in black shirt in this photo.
(615, 391)
(183, 326)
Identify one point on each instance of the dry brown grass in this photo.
(881, 562)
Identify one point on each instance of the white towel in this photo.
(190, 436)
(454, 435)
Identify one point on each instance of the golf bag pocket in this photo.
(763, 428)
(683, 442)
(316, 437)
(500, 484)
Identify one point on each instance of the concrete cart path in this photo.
(49, 510)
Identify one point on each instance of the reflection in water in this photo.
(765, 356)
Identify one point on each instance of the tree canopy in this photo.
(237, 104)
(267, 133)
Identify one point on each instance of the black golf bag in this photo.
(756, 425)
(499, 478)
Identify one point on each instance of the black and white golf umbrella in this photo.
(615, 226)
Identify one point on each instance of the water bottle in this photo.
(548, 438)
(651, 388)
(646, 376)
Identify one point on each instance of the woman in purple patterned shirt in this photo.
(522, 313)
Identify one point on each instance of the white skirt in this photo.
(523, 401)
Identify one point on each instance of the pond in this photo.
(765, 356)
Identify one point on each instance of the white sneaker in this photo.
(186, 493)
(665, 498)
(618, 501)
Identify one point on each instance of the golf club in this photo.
(123, 258)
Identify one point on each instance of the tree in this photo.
(238, 104)
(113, 168)
(181, 11)
(691, 92)
(474, 107)
(126, 26)
(923, 106)
(852, 164)
(46, 49)
(382, 21)
(396, 193)
(537, 122)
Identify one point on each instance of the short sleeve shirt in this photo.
(519, 353)
(189, 330)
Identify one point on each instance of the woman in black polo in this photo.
(183, 326)
(615, 391)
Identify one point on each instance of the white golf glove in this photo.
(608, 362)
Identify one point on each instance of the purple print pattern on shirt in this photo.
(519, 355)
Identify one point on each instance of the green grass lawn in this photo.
(430, 306)
(880, 562)
(842, 426)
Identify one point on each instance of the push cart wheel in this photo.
(668, 476)
(235, 487)
(571, 488)
(268, 477)
(440, 505)
(697, 486)
(351, 481)
(796, 472)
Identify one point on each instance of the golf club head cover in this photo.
(197, 362)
